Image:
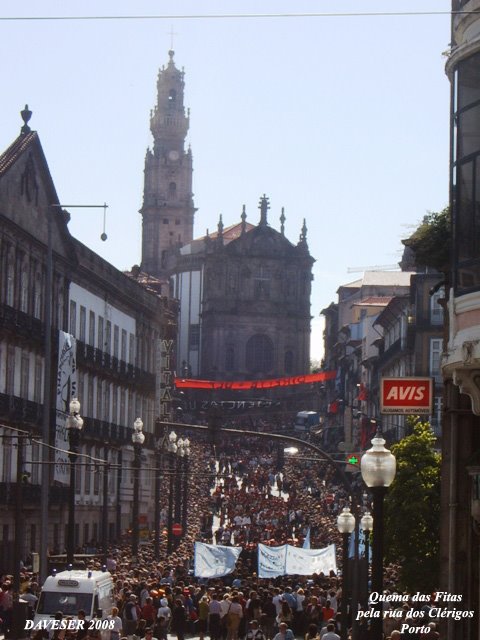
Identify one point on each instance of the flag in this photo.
(306, 542)
(213, 560)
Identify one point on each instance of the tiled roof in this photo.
(230, 233)
(374, 301)
(15, 150)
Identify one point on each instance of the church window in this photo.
(261, 283)
(229, 358)
(288, 363)
(11, 280)
(259, 354)
(172, 95)
(172, 190)
(194, 337)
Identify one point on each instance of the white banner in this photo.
(289, 560)
(214, 561)
(66, 391)
(271, 561)
(305, 562)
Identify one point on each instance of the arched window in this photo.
(172, 95)
(24, 288)
(229, 359)
(172, 190)
(11, 279)
(288, 361)
(259, 354)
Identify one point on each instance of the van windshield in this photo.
(68, 603)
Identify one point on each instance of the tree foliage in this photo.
(412, 510)
(431, 241)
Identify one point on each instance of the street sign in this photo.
(406, 396)
(177, 529)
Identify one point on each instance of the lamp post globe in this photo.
(378, 467)
(366, 521)
(346, 521)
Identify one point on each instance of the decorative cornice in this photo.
(468, 380)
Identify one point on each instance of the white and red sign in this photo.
(406, 396)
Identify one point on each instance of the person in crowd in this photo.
(115, 625)
(254, 632)
(330, 635)
(284, 633)
(179, 619)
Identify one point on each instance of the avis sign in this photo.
(407, 396)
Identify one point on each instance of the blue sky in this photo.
(341, 120)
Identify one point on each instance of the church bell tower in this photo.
(168, 209)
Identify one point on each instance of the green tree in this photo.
(431, 241)
(412, 510)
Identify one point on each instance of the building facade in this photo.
(113, 324)
(461, 360)
(387, 324)
(244, 291)
(244, 297)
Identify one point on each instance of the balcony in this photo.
(20, 410)
(21, 324)
(31, 494)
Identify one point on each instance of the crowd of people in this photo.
(242, 500)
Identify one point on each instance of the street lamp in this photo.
(74, 425)
(138, 439)
(366, 524)
(172, 450)
(186, 456)
(345, 525)
(178, 487)
(378, 467)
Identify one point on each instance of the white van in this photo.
(70, 591)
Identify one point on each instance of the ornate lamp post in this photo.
(366, 524)
(186, 457)
(172, 450)
(378, 468)
(345, 525)
(74, 425)
(138, 439)
(178, 486)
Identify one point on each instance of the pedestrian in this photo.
(254, 632)
(214, 617)
(330, 635)
(115, 625)
(203, 613)
(179, 619)
(284, 633)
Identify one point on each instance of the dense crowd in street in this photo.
(242, 501)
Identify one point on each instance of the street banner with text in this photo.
(213, 560)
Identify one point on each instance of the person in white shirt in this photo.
(115, 625)
(330, 635)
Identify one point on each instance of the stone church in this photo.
(244, 290)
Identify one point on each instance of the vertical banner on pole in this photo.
(66, 390)
(163, 394)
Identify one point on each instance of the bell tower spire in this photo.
(168, 209)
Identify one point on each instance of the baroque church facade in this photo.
(244, 290)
